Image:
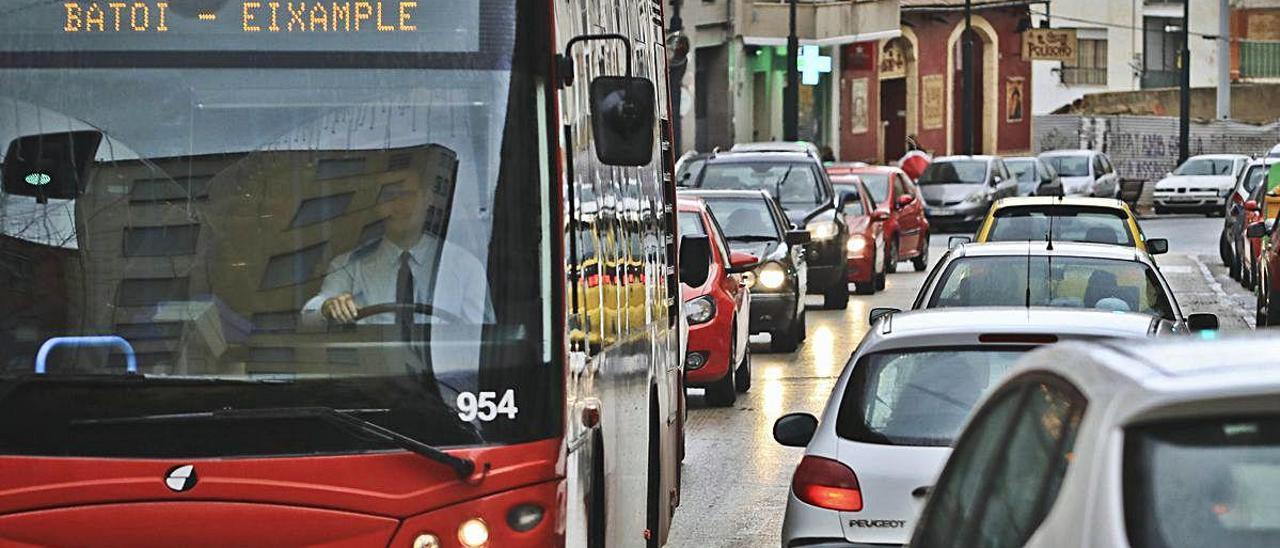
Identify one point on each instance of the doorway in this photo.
(893, 114)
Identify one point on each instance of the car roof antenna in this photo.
(1049, 237)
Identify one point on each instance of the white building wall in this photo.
(1121, 22)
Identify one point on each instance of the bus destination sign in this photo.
(252, 16)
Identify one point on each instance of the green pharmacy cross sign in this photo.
(812, 65)
(38, 179)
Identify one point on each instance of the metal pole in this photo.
(1184, 114)
(791, 97)
(675, 84)
(1224, 60)
(967, 67)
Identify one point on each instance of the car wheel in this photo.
(891, 258)
(880, 281)
(1261, 313)
(788, 339)
(803, 327)
(1233, 268)
(742, 377)
(836, 297)
(1161, 210)
(1224, 249)
(722, 393)
(921, 262)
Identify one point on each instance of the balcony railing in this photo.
(1259, 59)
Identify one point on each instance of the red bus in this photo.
(342, 273)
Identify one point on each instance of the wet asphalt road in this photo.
(736, 477)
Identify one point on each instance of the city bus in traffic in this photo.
(350, 273)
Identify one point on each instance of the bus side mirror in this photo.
(623, 114)
(695, 260)
(49, 165)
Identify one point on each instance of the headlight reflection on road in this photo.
(823, 343)
(772, 393)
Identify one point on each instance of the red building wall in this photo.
(860, 60)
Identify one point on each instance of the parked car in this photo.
(719, 313)
(958, 190)
(898, 406)
(1055, 275)
(1230, 241)
(866, 235)
(799, 183)
(1118, 444)
(1084, 173)
(1086, 220)
(1035, 177)
(752, 222)
(906, 231)
(802, 147)
(688, 166)
(1203, 184)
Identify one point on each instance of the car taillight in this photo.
(828, 484)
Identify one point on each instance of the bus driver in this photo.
(403, 268)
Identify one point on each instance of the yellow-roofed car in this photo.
(1071, 219)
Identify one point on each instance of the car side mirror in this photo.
(904, 201)
(695, 260)
(880, 215)
(1256, 230)
(877, 313)
(957, 241)
(798, 237)
(49, 165)
(795, 429)
(740, 262)
(1202, 322)
(623, 113)
(1251, 205)
(1157, 246)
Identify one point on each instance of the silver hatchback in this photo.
(898, 406)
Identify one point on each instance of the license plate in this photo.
(1184, 198)
(941, 212)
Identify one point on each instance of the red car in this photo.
(718, 312)
(866, 235)
(906, 231)
(1251, 251)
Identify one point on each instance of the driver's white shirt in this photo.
(454, 283)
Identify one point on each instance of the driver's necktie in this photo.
(404, 296)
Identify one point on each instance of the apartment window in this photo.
(151, 291)
(1090, 67)
(160, 241)
(169, 189)
(292, 268)
(319, 210)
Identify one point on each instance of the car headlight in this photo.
(976, 198)
(856, 245)
(700, 310)
(771, 276)
(823, 230)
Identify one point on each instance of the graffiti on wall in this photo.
(1145, 148)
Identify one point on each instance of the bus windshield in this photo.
(261, 211)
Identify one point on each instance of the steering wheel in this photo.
(418, 308)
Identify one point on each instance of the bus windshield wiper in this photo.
(340, 418)
(752, 238)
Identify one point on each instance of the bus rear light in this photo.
(828, 484)
(525, 517)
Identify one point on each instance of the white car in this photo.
(1084, 173)
(897, 407)
(1119, 444)
(1202, 185)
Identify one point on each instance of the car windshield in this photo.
(1058, 282)
(919, 397)
(1205, 166)
(228, 187)
(877, 185)
(1023, 170)
(741, 218)
(1068, 223)
(1228, 471)
(792, 183)
(1069, 166)
(688, 171)
(955, 172)
(1254, 177)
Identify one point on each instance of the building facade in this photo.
(1125, 45)
(736, 74)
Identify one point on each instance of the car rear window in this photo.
(1069, 166)
(792, 183)
(1206, 167)
(1060, 282)
(1068, 224)
(954, 172)
(919, 398)
(1023, 170)
(1207, 482)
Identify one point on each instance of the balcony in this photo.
(1259, 60)
(825, 23)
